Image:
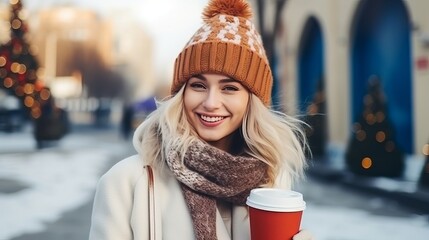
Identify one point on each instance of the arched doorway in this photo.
(310, 62)
(381, 46)
(311, 90)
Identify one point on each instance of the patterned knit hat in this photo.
(228, 43)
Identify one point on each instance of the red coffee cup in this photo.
(275, 214)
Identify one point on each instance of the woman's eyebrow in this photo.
(228, 80)
(225, 80)
(201, 77)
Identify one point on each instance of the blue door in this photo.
(380, 45)
(310, 63)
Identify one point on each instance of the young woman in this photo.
(212, 141)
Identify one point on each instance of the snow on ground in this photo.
(58, 179)
(57, 182)
(329, 223)
(63, 178)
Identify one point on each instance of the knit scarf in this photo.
(209, 174)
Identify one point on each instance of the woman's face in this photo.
(215, 105)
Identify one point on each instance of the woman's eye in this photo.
(230, 88)
(197, 85)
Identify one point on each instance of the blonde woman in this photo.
(212, 141)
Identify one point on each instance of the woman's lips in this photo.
(211, 121)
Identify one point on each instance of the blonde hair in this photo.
(270, 136)
(276, 139)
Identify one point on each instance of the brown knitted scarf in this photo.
(209, 174)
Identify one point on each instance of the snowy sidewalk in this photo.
(43, 194)
(405, 190)
(37, 187)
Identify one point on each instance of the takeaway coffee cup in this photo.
(275, 214)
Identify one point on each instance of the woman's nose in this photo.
(212, 100)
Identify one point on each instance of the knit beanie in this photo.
(228, 43)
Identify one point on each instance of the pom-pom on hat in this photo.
(228, 43)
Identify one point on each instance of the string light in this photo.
(370, 119)
(2, 61)
(45, 94)
(22, 69)
(360, 135)
(8, 82)
(28, 88)
(380, 136)
(29, 101)
(366, 162)
(36, 113)
(380, 116)
(16, 24)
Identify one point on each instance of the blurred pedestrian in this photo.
(127, 120)
(209, 144)
(52, 125)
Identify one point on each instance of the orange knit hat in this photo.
(228, 43)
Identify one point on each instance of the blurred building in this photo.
(343, 43)
(67, 39)
(4, 23)
(57, 34)
(133, 54)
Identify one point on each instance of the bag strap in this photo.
(151, 201)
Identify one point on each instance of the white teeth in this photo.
(211, 119)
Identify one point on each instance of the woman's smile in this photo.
(211, 119)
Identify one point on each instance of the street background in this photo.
(47, 194)
(78, 76)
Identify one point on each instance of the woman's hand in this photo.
(303, 235)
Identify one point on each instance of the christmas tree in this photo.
(372, 150)
(18, 65)
(316, 120)
(424, 177)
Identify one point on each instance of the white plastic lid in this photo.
(276, 200)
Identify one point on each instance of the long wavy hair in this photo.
(270, 136)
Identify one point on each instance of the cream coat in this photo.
(121, 209)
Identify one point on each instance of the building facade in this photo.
(342, 44)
